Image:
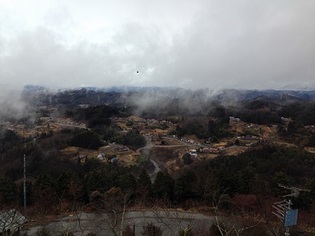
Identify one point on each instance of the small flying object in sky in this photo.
(137, 72)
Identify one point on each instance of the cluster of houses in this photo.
(111, 159)
(44, 127)
(142, 124)
(248, 140)
(209, 150)
(189, 141)
(69, 122)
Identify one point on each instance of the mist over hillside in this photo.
(148, 96)
(160, 101)
(177, 145)
(113, 106)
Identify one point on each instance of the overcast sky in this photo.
(215, 44)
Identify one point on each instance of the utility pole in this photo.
(24, 181)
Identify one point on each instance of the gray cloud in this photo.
(246, 44)
(11, 105)
(224, 44)
(39, 57)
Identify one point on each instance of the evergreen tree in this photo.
(186, 186)
(163, 187)
(86, 139)
(8, 190)
(127, 182)
(135, 139)
(144, 186)
(245, 181)
(187, 159)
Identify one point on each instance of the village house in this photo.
(234, 119)
(310, 128)
(209, 150)
(193, 153)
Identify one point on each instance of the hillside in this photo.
(85, 148)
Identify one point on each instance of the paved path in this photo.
(169, 222)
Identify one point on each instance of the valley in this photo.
(119, 157)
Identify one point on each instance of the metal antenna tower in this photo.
(284, 212)
(295, 192)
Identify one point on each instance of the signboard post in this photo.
(290, 217)
(284, 212)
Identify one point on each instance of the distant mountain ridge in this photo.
(280, 95)
(126, 94)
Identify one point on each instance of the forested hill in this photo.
(226, 151)
(129, 95)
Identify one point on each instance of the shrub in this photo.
(86, 139)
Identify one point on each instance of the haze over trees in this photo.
(249, 181)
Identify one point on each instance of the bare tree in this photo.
(151, 230)
(174, 221)
(113, 206)
(10, 222)
(232, 224)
